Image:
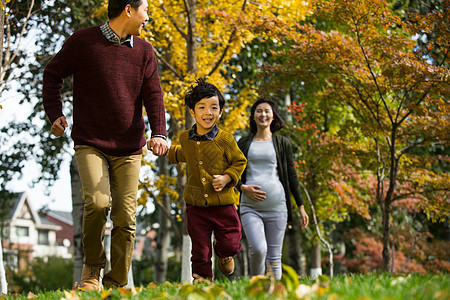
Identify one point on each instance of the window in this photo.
(22, 231)
(43, 237)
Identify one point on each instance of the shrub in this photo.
(43, 274)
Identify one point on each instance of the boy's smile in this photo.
(206, 113)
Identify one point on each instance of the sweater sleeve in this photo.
(176, 154)
(62, 65)
(152, 95)
(294, 185)
(241, 145)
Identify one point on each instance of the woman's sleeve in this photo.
(294, 184)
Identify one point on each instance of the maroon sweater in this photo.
(110, 84)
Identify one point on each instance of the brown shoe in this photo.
(226, 265)
(90, 278)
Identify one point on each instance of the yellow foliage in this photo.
(206, 50)
(199, 41)
(1, 3)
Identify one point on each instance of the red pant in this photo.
(201, 223)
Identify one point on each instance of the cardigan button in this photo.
(203, 179)
(198, 143)
(206, 195)
(200, 162)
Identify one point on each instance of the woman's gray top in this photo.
(262, 171)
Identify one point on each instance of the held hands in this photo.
(59, 126)
(158, 146)
(305, 218)
(254, 192)
(220, 181)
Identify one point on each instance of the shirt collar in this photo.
(209, 136)
(111, 36)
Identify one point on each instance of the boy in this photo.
(215, 165)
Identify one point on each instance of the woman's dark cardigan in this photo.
(285, 167)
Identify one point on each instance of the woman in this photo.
(266, 186)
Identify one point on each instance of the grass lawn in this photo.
(348, 287)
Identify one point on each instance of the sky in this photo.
(61, 192)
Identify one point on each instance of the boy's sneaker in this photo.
(90, 278)
(226, 265)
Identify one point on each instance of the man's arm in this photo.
(61, 66)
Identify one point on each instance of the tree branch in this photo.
(174, 23)
(330, 251)
(167, 64)
(165, 211)
(366, 59)
(8, 60)
(224, 53)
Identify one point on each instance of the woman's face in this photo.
(263, 115)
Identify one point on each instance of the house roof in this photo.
(19, 202)
(62, 216)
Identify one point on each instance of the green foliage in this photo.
(45, 274)
(144, 269)
(352, 287)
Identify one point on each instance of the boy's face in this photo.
(137, 18)
(206, 113)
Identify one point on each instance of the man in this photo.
(114, 73)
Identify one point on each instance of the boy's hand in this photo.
(220, 181)
(59, 126)
(158, 146)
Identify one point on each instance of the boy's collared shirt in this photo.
(209, 136)
(111, 36)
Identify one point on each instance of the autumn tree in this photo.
(195, 39)
(397, 95)
(14, 22)
(30, 140)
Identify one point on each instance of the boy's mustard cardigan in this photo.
(207, 158)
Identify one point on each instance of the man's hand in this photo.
(304, 215)
(158, 146)
(254, 192)
(59, 126)
(220, 181)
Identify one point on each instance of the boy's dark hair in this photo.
(277, 122)
(116, 7)
(201, 91)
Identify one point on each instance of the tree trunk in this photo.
(2, 26)
(386, 208)
(386, 234)
(293, 243)
(241, 261)
(77, 216)
(192, 47)
(3, 283)
(163, 240)
(316, 258)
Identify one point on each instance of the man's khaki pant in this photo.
(109, 183)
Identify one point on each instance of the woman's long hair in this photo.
(277, 122)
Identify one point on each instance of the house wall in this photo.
(66, 232)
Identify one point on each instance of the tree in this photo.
(195, 39)
(396, 94)
(10, 54)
